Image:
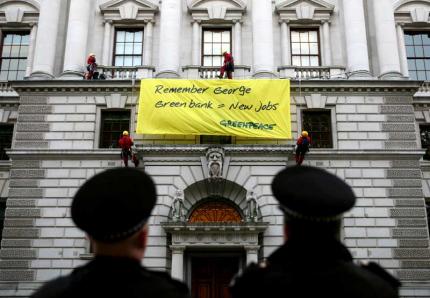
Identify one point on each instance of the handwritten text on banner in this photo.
(249, 108)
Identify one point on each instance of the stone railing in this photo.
(424, 90)
(210, 72)
(312, 72)
(6, 89)
(126, 72)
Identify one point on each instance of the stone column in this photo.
(45, 47)
(147, 45)
(170, 39)
(285, 44)
(195, 52)
(251, 254)
(262, 39)
(356, 39)
(327, 43)
(402, 50)
(386, 39)
(31, 46)
(177, 262)
(107, 43)
(237, 49)
(76, 41)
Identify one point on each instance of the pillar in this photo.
(386, 39)
(177, 262)
(107, 43)
(402, 50)
(327, 43)
(237, 49)
(195, 50)
(170, 37)
(77, 36)
(285, 44)
(356, 39)
(147, 45)
(31, 46)
(262, 38)
(251, 254)
(46, 41)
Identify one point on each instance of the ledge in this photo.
(215, 226)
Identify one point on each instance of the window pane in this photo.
(411, 64)
(5, 64)
(22, 64)
(24, 51)
(217, 49)
(420, 64)
(313, 47)
(304, 48)
(119, 61)
(413, 75)
(295, 36)
(3, 75)
(6, 51)
(410, 51)
(305, 61)
(13, 64)
(120, 36)
(313, 36)
(295, 48)
(217, 61)
(226, 36)
(426, 39)
(25, 39)
(137, 60)
(408, 39)
(128, 48)
(8, 39)
(304, 37)
(225, 48)
(119, 50)
(16, 39)
(419, 52)
(417, 39)
(138, 36)
(421, 75)
(21, 75)
(129, 36)
(11, 75)
(207, 61)
(14, 51)
(137, 48)
(217, 37)
(427, 64)
(318, 124)
(207, 49)
(314, 61)
(207, 36)
(427, 51)
(113, 123)
(128, 61)
(296, 61)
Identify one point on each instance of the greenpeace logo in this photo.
(247, 125)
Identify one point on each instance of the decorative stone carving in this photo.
(300, 10)
(178, 206)
(205, 11)
(252, 207)
(215, 158)
(123, 10)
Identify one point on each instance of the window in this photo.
(128, 47)
(305, 47)
(2, 216)
(418, 53)
(113, 123)
(425, 135)
(428, 213)
(215, 140)
(6, 132)
(215, 42)
(318, 124)
(14, 51)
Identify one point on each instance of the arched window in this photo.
(215, 211)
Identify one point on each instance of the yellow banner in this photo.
(248, 108)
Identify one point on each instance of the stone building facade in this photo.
(357, 70)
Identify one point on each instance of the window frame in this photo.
(3, 202)
(330, 110)
(3, 154)
(21, 32)
(101, 122)
(411, 32)
(202, 44)
(306, 29)
(135, 29)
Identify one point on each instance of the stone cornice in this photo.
(297, 86)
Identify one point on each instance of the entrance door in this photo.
(211, 276)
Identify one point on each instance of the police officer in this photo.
(313, 262)
(113, 208)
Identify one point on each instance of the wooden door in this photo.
(211, 276)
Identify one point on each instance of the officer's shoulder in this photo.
(166, 280)
(252, 273)
(377, 270)
(53, 288)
